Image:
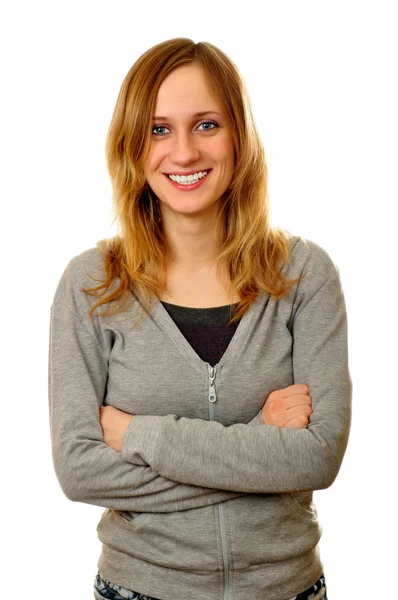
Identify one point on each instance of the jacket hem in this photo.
(274, 581)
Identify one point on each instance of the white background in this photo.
(322, 77)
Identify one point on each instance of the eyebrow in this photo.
(199, 114)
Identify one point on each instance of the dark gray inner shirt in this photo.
(206, 329)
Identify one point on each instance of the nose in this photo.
(184, 149)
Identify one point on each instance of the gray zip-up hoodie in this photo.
(205, 500)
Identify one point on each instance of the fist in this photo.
(289, 407)
(114, 423)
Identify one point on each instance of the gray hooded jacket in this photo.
(205, 500)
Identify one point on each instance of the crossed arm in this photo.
(289, 407)
(286, 452)
(288, 447)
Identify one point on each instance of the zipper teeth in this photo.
(211, 412)
(224, 551)
(221, 516)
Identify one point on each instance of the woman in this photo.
(199, 381)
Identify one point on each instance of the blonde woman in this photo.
(199, 378)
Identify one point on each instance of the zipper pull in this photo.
(212, 389)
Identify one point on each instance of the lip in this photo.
(187, 187)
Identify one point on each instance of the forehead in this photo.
(185, 88)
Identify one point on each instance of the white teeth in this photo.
(187, 179)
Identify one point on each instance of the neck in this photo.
(192, 243)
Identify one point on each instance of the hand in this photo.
(289, 407)
(114, 424)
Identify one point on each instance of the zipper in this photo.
(212, 391)
(224, 547)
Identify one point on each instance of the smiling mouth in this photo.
(188, 185)
(200, 174)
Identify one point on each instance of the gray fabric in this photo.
(204, 500)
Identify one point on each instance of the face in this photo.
(185, 142)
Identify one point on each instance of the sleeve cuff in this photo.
(257, 420)
(140, 443)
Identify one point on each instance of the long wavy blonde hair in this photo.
(135, 260)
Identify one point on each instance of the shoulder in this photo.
(86, 267)
(309, 260)
(85, 270)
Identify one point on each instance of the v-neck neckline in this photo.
(245, 325)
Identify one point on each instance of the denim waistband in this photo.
(105, 589)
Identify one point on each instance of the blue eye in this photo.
(157, 127)
(209, 123)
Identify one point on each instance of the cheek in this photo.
(153, 160)
(226, 151)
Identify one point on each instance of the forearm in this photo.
(248, 459)
(95, 474)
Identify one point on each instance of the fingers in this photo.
(296, 389)
(297, 400)
(300, 422)
(293, 395)
(298, 403)
(288, 407)
(297, 411)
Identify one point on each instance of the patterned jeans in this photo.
(104, 589)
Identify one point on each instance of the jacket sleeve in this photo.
(266, 459)
(88, 470)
